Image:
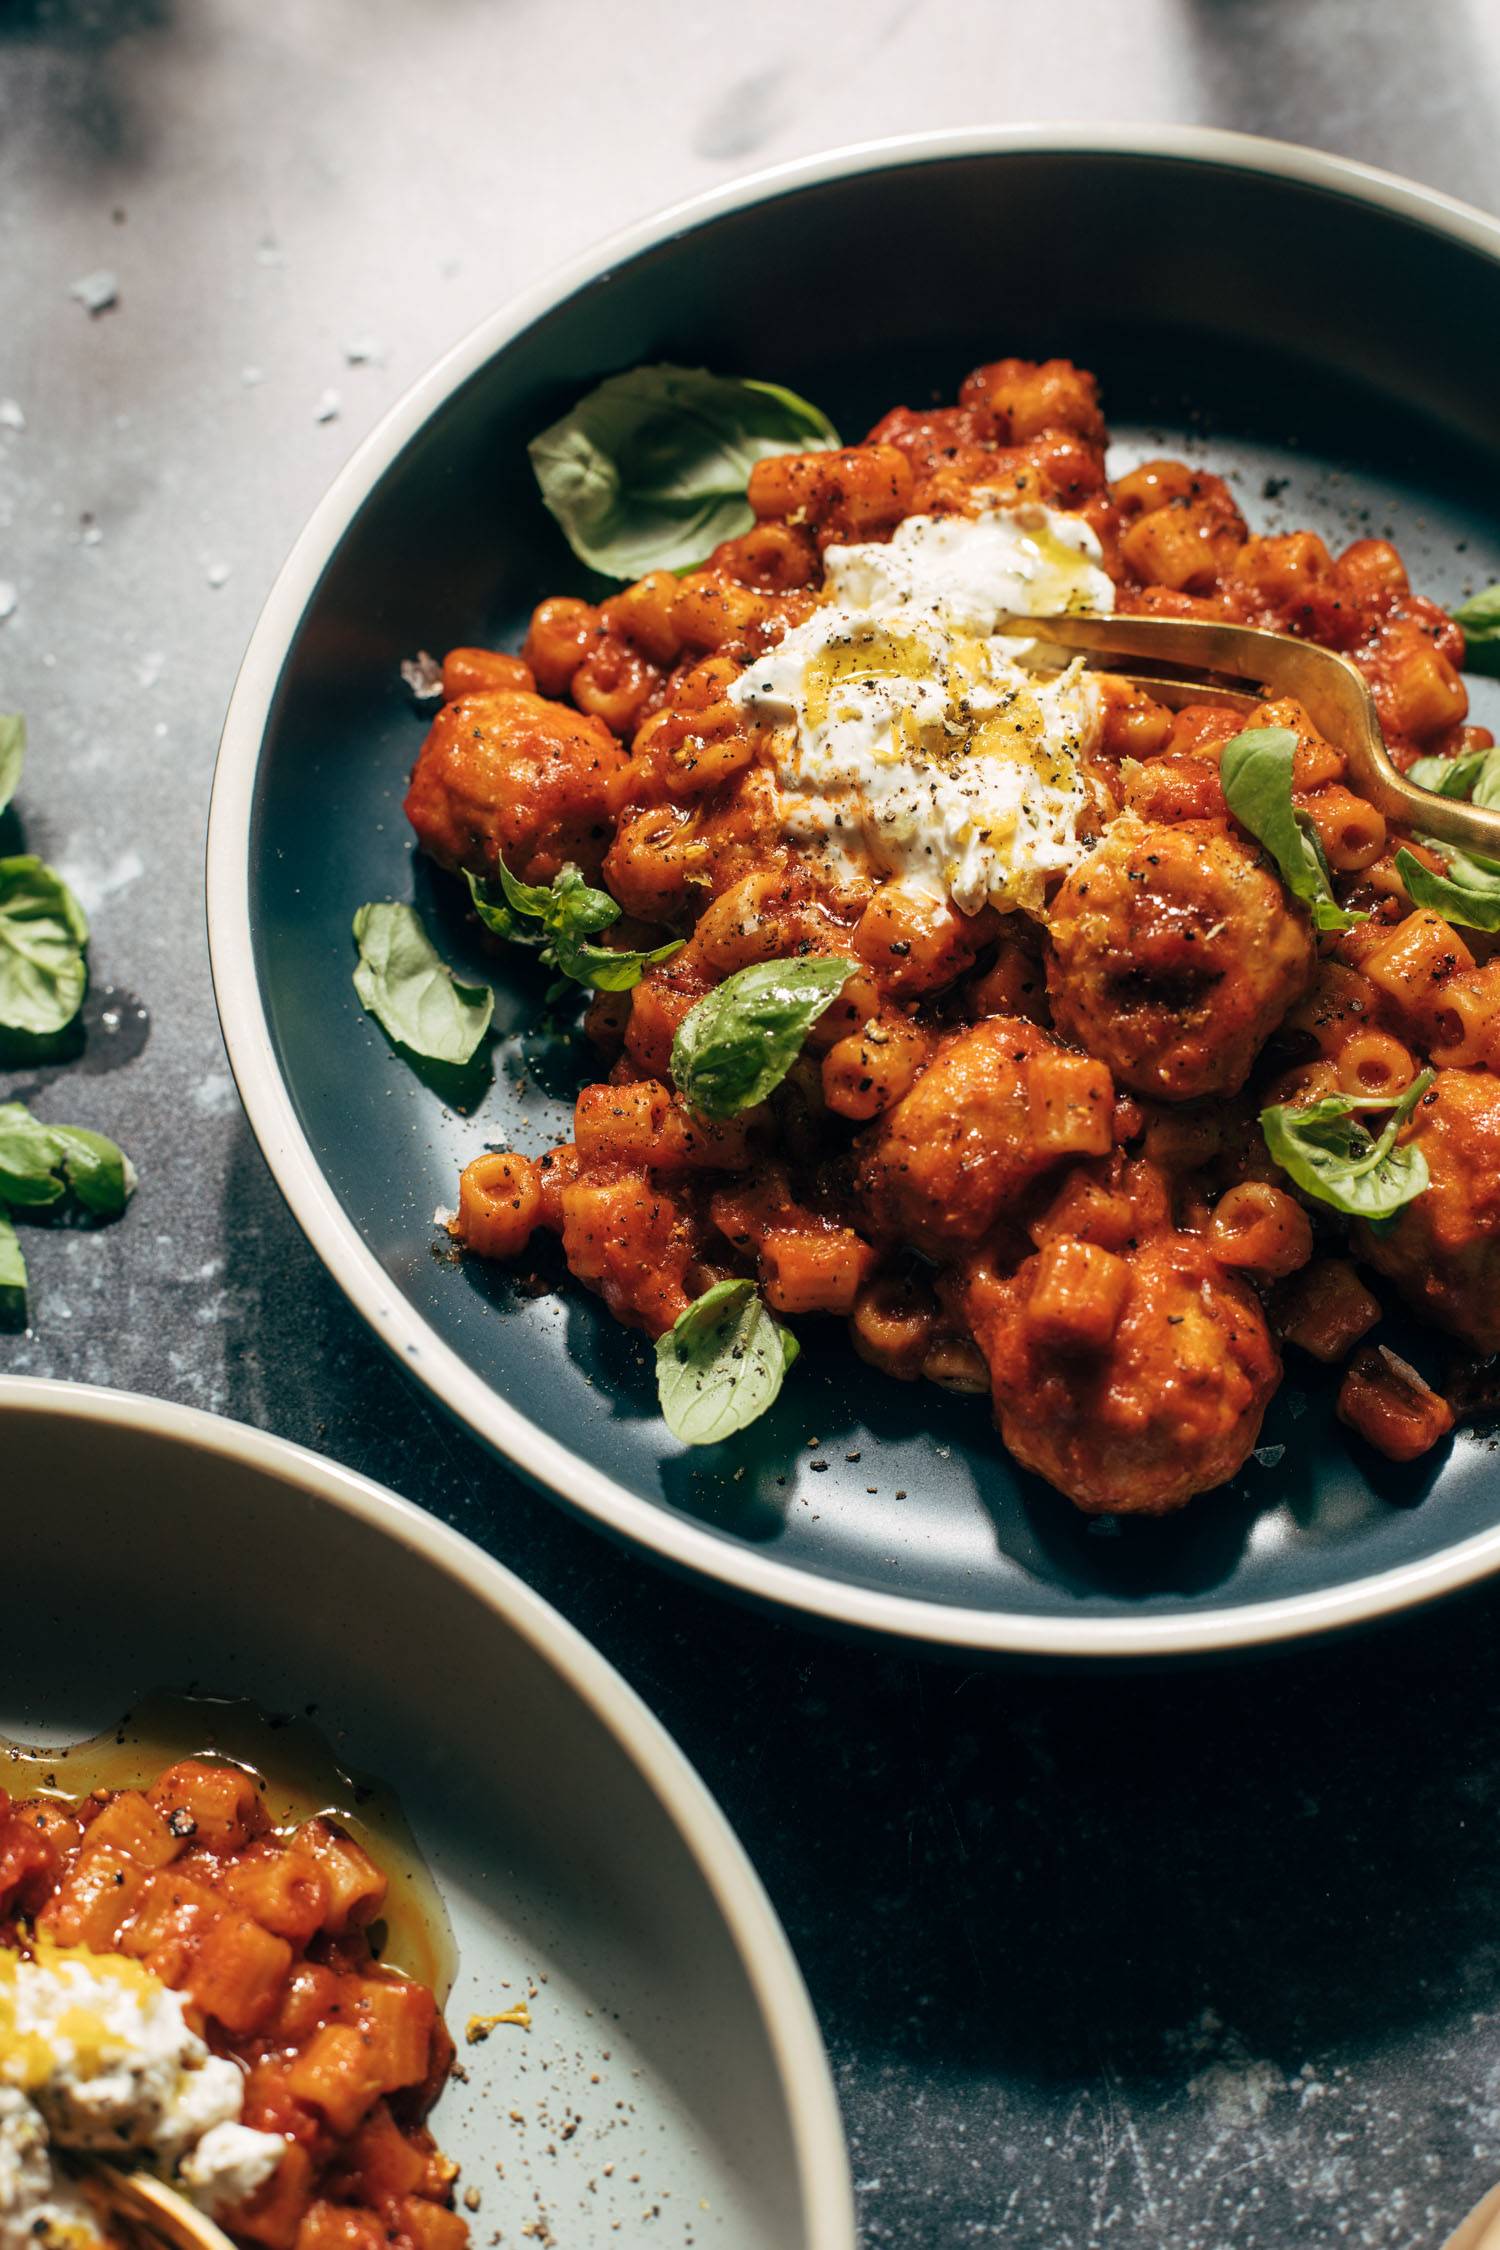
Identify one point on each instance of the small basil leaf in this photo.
(722, 1364)
(12, 754)
(569, 911)
(411, 991)
(1480, 619)
(498, 918)
(100, 1174)
(1333, 1159)
(40, 1163)
(31, 1157)
(1256, 771)
(43, 931)
(649, 471)
(603, 970)
(1473, 773)
(1469, 893)
(12, 1272)
(525, 898)
(742, 1038)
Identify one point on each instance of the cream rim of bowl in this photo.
(332, 1233)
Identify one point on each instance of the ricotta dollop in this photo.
(96, 2053)
(906, 736)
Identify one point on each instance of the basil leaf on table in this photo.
(649, 471)
(40, 1163)
(410, 990)
(99, 1173)
(741, 1039)
(12, 754)
(722, 1363)
(12, 1269)
(570, 912)
(43, 932)
(1256, 771)
(1480, 619)
(1331, 1157)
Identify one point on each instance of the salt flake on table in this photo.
(423, 676)
(96, 292)
(365, 351)
(8, 598)
(217, 574)
(250, 376)
(1269, 1455)
(328, 407)
(11, 417)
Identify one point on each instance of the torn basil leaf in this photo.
(410, 990)
(1323, 1147)
(1256, 771)
(40, 1164)
(721, 1364)
(43, 932)
(649, 471)
(741, 1039)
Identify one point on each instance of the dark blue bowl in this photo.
(1322, 335)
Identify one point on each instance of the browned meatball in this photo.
(1175, 953)
(507, 775)
(1169, 1405)
(997, 1105)
(1443, 1250)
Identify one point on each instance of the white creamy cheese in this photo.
(906, 736)
(96, 2053)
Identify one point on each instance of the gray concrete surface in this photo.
(1177, 1962)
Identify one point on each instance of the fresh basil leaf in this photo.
(1480, 619)
(12, 754)
(100, 1174)
(1449, 777)
(411, 991)
(569, 912)
(649, 471)
(1332, 1158)
(722, 1363)
(742, 1038)
(1256, 771)
(40, 1163)
(532, 898)
(1469, 893)
(42, 935)
(12, 1271)
(31, 1158)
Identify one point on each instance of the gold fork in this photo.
(149, 2209)
(1239, 665)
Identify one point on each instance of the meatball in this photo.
(998, 1104)
(508, 775)
(1175, 953)
(1167, 1405)
(1443, 1249)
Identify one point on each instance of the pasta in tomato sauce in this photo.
(1020, 1150)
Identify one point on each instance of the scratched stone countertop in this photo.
(1173, 1961)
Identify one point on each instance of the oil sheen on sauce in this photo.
(298, 1776)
